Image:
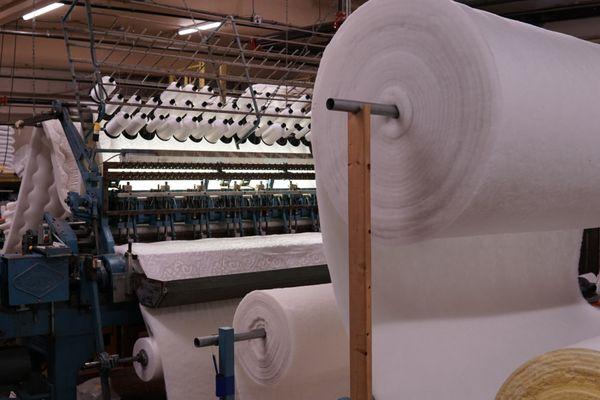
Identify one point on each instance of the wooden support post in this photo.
(359, 242)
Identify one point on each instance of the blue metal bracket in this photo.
(225, 379)
(225, 372)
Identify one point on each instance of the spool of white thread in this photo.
(114, 127)
(102, 91)
(134, 124)
(132, 105)
(181, 133)
(170, 93)
(168, 128)
(110, 109)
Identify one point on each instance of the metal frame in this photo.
(144, 62)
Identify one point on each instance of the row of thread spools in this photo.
(188, 112)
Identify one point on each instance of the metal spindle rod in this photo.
(213, 340)
(141, 357)
(353, 106)
(36, 119)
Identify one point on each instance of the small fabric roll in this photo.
(305, 352)
(566, 374)
(153, 369)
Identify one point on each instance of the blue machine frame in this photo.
(56, 301)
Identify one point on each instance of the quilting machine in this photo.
(232, 209)
(68, 283)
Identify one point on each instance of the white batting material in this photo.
(479, 190)
(50, 173)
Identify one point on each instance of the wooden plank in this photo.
(359, 242)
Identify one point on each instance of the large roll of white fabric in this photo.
(479, 190)
(494, 114)
(305, 352)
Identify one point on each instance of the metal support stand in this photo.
(225, 371)
(359, 237)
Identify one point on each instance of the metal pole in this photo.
(238, 337)
(353, 106)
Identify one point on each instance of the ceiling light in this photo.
(208, 25)
(43, 10)
(200, 27)
(187, 31)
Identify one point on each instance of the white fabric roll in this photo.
(478, 190)
(494, 114)
(188, 372)
(153, 369)
(305, 352)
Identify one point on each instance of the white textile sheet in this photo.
(189, 259)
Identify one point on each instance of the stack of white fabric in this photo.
(7, 149)
(480, 190)
(50, 173)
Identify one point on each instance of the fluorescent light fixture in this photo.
(43, 10)
(187, 31)
(204, 26)
(208, 25)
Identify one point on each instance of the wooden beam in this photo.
(359, 242)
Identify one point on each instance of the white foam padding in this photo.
(50, 173)
(479, 190)
(188, 371)
(190, 259)
(305, 352)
